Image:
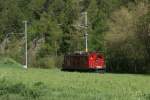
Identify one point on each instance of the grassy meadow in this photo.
(17, 83)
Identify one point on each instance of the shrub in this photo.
(35, 91)
(45, 62)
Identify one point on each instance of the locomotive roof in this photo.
(82, 53)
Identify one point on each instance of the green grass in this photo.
(44, 84)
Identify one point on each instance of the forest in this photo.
(118, 28)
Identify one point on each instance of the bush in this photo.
(46, 62)
(59, 61)
(37, 90)
(7, 88)
(8, 61)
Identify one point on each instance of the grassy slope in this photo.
(81, 86)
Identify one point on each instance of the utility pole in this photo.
(26, 45)
(86, 34)
(85, 27)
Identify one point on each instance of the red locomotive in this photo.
(84, 61)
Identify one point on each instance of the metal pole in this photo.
(86, 34)
(26, 45)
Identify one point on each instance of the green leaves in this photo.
(126, 49)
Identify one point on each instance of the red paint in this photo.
(96, 60)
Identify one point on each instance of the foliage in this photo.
(124, 46)
(37, 90)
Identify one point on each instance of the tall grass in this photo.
(22, 91)
(45, 84)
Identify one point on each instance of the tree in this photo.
(143, 32)
(125, 51)
(47, 29)
(10, 17)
